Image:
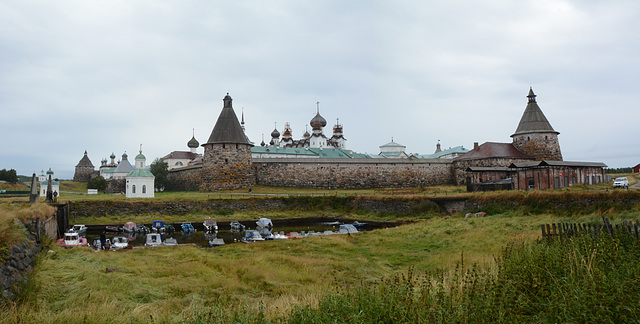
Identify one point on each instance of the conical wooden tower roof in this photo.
(533, 120)
(227, 129)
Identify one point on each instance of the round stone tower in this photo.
(534, 135)
(227, 154)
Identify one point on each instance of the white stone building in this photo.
(140, 181)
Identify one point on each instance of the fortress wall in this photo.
(352, 173)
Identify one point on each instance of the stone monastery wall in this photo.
(351, 173)
(332, 173)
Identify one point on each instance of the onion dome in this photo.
(306, 134)
(50, 171)
(193, 143)
(275, 133)
(318, 122)
(113, 156)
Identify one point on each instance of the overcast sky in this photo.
(107, 76)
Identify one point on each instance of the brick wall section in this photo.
(226, 166)
(542, 146)
(352, 173)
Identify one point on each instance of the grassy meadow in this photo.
(434, 268)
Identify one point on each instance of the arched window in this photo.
(144, 188)
(133, 189)
(179, 163)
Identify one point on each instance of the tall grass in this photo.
(11, 231)
(589, 279)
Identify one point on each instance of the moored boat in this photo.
(157, 226)
(264, 223)
(210, 225)
(347, 229)
(170, 241)
(96, 244)
(80, 229)
(236, 226)
(153, 240)
(251, 236)
(129, 227)
(112, 228)
(71, 239)
(187, 227)
(120, 242)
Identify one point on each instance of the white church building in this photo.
(140, 181)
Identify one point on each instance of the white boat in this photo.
(210, 225)
(251, 236)
(80, 229)
(170, 241)
(153, 240)
(119, 242)
(72, 239)
(347, 229)
(98, 245)
(264, 223)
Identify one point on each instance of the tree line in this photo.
(10, 176)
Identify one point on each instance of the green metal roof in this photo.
(282, 150)
(140, 173)
(453, 150)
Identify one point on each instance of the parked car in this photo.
(621, 182)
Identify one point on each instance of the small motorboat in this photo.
(157, 226)
(187, 227)
(236, 226)
(153, 240)
(210, 225)
(347, 229)
(213, 239)
(98, 245)
(141, 228)
(264, 223)
(129, 227)
(111, 228)
(359, 226)
(120, 242)
(168, 228)
(80, 229)
(170, 241)
(276, 236)
(251, 236)
(72, 239)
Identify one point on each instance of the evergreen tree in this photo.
(10, 176)
(98, 182)
(160, 170)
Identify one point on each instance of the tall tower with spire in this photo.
(534, 135)
(227, 154)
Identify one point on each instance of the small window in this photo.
(144, 189)
(133, 189)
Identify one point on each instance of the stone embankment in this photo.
(17, 265)
(395, 206)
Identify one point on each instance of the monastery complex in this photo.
(533, 160)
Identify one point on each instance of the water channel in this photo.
(201, 238)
